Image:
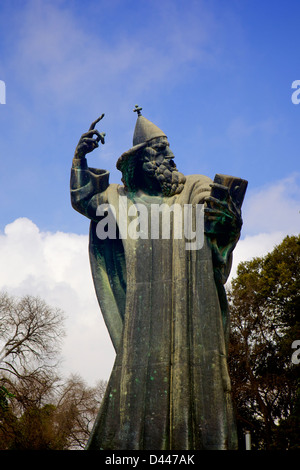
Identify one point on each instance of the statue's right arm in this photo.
(87, 185)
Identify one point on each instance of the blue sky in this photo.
(215, 76)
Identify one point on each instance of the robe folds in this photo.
(169, 388)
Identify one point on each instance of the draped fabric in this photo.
(169, 388)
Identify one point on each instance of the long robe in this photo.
(169, 388)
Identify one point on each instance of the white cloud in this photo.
(270, 213)
(55, 266)
(255, 246)
(274, 207)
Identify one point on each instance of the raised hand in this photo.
(87, 142)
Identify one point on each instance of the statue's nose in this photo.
(170, 154)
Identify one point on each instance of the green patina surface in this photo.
(165, 307)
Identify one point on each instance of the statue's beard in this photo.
(165, 174)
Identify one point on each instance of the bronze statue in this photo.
(162, 297)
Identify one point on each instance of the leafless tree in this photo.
(38, 408)
(30, 333)
(76, 410)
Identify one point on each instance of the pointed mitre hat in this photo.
(144, 131)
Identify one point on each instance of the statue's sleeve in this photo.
(200, 188)
(88, 187)
(221, 243)
(221, 248)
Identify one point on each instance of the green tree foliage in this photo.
(4, 396)
(265, 304)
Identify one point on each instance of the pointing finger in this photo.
(92, 126)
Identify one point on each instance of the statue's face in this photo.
(159, 150)
(160, 169)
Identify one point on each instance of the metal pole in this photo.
(248, 440)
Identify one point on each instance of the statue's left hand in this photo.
(87, 143)
(222, 216)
